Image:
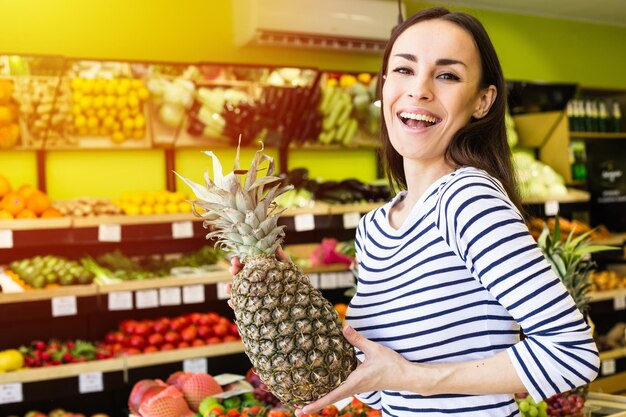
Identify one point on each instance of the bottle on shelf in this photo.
(616, 118)
(603, 117)
(578, 160)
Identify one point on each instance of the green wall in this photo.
(530, 48)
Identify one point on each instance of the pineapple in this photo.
(291, 334)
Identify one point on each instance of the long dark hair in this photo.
(481, 143)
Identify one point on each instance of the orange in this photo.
(38, 202)
(13, 203)
(26, 214)
(5, 186)
(26, 190)
(51, 213)
(5, 215)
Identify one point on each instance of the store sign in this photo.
(6, 239)
(11, 393)
(146, 299)
(182, 230)
(196, 365)
(64, 306)
(193, 294)
(619, 303)
(109, 233)
(169, 296)
(608, 367)
(606, 168)
(304, 222)
(120, 300)
(90, 382)
(351, 220)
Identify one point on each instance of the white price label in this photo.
(304, 222)
(182, 230)
(90, 382)
(551, 208)
(11, 393)
(608, 367)
(6, 239)
(110, 233)
(120, 300)
(328, 280)
(619, 303)
(147, 298)
(64, 306)
(196, 365)
(193, 294)
(169, 296)
(222, 294)
(351, 220)
(345, 279)
(314, 279)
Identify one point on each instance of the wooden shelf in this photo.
(62, 371)
(125, 220)
(613, 354)
(607, 295)
(616, 239)
(158, 358)
(597, 135)
(120, 364)
(48, 294)
(36, 224)
(172, 281)
(354, 208)
(572, 196)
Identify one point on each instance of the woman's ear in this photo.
(486, 98)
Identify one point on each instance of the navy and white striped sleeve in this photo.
(371, 398)
(482, 226)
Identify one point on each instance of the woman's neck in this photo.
(421, 175)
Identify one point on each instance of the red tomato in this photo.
(204, 331)
(213, 340)
(197, 342)
(232, 329)
(194, 318)
(179, 323)
(189, 333)
(233, 412)
(132, 351)
(230, 338)
(142, 329)
(128, 326)
(167, 346)
(182, 345)
(172, 337)
(330, 411)
(220, 329)
(137, 341)
(155, 339)
(149, 349)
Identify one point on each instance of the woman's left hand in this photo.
(382, 369)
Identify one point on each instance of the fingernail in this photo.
(348, 330)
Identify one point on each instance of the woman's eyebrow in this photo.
(439, 62)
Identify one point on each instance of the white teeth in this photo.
(414, 116)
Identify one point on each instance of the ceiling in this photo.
(608, 12)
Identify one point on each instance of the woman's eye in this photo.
(403, 70)
(448, 76)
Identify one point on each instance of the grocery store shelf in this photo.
(616, 239)
(607, 295)
(36, 224)
(597, 135)
(120, 364)
(572, 196)
(48, 293)
(125, 220)
(354, 208)
(610, 384)
(325, 268)
(62, 371)
(613, 354)
(172, 281)
(157, 358)
(318, 208)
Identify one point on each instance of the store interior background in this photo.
(530, 48)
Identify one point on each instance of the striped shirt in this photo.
(455, 283)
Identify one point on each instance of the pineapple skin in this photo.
(290, 332)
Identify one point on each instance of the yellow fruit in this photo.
(76, 83)
(184, 207)
(143, 93)
(108, 122)
(123, 113)
(11, 360)
(150, 198)
(104, 131)
(128, 123)
(98, 86)
(159, 208)
(113, 112)
(364, 77)
(76, 109)
(6, 116)
(92, 131)
(118, 137)
(171, 208)
(102, 114)
(98, 102)
(131, 209)
(90, 112)
(92, 122)
(80, 121)
(82, 131)
(140, 121)
(146, 209)
(161, 197)
(133, 100)
(136, 198)
(176, 197)
(5, 186)
(111, 87)
(134, 111)
(136, 84)
(109, 101)
(139, 134)
(117, 126)
(86, 102)
(121, 102)
(123, 87)
(87, 86)
(77, 96)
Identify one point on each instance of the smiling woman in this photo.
(448, 273)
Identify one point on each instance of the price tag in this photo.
(551, 208)
(315, 280)
(351, 220)
(64, 306)
(304, 222)
(221, 291)
(328, 280)
(182, 230)
(619, 303)
(90, 382)
(147, 298)
(11, 393)
(169, 296)
(193, 294)
(196, 365)
(6, 239)
(110, 233)
(120, 300)
(608, 367)
(345, 279)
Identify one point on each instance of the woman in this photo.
(448, 272)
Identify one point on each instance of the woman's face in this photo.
(431, 88)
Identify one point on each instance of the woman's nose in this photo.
(421, 88)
